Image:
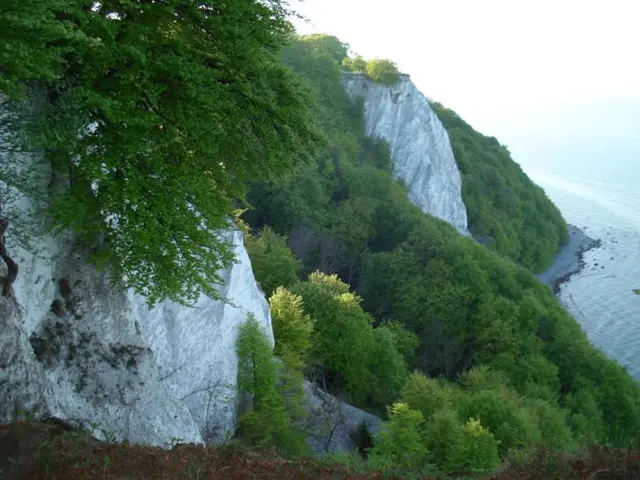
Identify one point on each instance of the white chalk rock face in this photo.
(75, 346)
(420, 147)
(81, 350)
(332, 423)
(195, 347)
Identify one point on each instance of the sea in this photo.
(587, 159)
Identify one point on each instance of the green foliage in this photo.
(342, 336)
(382, 71)
(355, 64)
(405, 342)
(349, 354)
(501, 412)
(426, 395)
(292, 328)
(389, 371)
(27, 27)
(552, 422)
(493, 344)
(158, 114)
(400, 446)
(268, 422)
(273, 264)
(478, 450)
(507, 212)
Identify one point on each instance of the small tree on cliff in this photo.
(355, 64)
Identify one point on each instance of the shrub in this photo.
(273, 264)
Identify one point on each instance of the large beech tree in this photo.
(157, 113)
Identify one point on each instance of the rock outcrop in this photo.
(334, 425)
(79, 349)
(75, 346)
(420, 147)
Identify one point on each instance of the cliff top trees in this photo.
(157, 114)
(380, 70)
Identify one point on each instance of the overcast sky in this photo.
(505, 66)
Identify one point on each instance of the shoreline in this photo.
(569, 260)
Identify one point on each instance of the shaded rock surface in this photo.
(332, 423)
(420, 147)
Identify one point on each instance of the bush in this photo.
(425, 395)
(292, 328)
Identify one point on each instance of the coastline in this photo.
(569, 260)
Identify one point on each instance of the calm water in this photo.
(591, 170)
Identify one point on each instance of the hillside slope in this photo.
(507, 211)
(491, 342)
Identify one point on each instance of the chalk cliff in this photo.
(75, 346)
(420, 148)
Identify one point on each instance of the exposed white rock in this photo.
(420, 147)
(73, 351)
(99, 356)
(79, 348)
(332, 423)
(195, 347)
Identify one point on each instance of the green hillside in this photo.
(485, 340)
(161, 120)
(507, 212)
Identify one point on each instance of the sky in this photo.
(511, 68)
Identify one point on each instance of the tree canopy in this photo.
(501, 366)
(157, 114)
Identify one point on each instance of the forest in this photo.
(457, 345)
(165, 121)
(507, 212)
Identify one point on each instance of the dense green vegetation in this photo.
(157, 114)
(499, 364)
(155, 117)
(507, 211)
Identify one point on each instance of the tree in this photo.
(456, 446)
(267, 422)
(292, 328)
(400, 444)
(382, 71)
(477, 451)
(426, 395)
(387, 366)
(273, 264)
(327, 45)
(178, 105)
(343, 335)
(355, 64)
